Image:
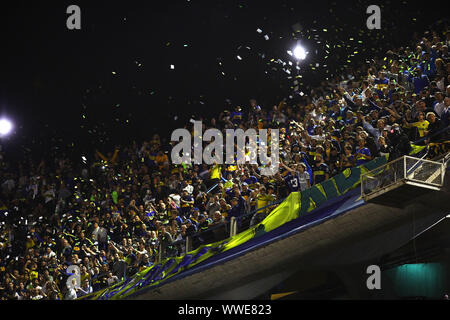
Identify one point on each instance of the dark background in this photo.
(58, 87)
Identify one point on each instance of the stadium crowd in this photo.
(129, 208)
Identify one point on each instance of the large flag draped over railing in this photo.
(295, 206)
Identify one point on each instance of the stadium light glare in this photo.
(6, 127)
(300, 53)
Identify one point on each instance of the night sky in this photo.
(59, 88)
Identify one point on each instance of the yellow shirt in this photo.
(34, 275)
(263, 201)
(422, 127)
(229, 184)
(215, 172)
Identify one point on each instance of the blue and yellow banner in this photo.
(295, 206)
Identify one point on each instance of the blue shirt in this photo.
(293, 182)
(363, 156)
(320, 172)
(236, 117)
(251, 180)
(420, 83)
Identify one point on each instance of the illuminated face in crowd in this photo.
(421, 116)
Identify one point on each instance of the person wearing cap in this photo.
(246, 191)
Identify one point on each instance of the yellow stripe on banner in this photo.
(336, 186)
(321, 189)
(347, 173)
(416, 149)
(287, 211)
(312, 205)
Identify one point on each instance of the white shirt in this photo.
(112, 280)
(71, 294)
(439, 108)
(189, 188)
(304, 179)
(176, 198)
(319, 137)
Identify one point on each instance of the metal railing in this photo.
(437, 133)
(222, 231)
(425, 171)
(404, 169)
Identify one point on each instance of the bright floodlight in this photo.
(5, 127)
(300, 53)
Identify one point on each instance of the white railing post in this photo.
(362, 185)
(404, 167)
(233, 227)
(188, 244)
